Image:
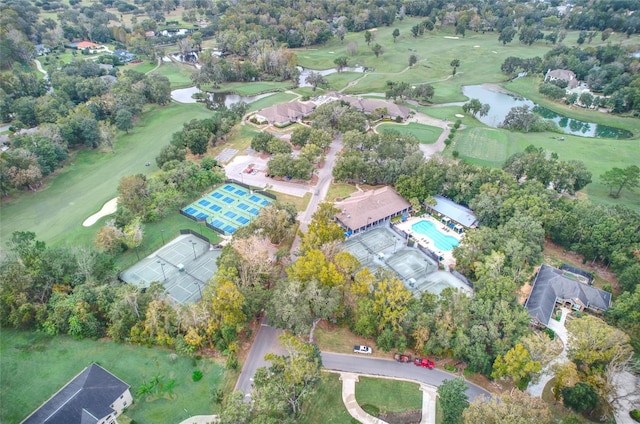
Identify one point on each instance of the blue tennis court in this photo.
(228, 207)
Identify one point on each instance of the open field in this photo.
(55, 212)
(179, 75)
(424, 133)
(480, 54)
(389, 395)
(325, 406)
(339, 191)
(35, 366)
(270, 101)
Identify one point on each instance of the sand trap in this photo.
(451, 38)
(475, 47)
(494, 52)
(110, 207)
(332, 52)
(458, 115)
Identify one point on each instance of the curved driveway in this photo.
(391, 368)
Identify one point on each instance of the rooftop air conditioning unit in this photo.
(181, 267)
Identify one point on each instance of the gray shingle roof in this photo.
(551, 285)
(84, 400)
(456, 212)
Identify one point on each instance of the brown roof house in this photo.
(562, 75)
(284, 114)
(365, 209)
(385, 108)
(553, 285)
(95, 396)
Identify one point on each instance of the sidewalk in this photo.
(349, 381)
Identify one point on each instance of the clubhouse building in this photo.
(365, 209)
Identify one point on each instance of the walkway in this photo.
(349, 380)
(201, 419)
(547, 374)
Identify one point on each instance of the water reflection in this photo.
(501, 103)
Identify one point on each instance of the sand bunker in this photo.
(110, 207)
(458, 115)
(451, 38)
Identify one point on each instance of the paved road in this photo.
(391, 368)
(266, 341)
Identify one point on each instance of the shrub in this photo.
(197, 375)
(217, 395)
(457, 124)
(550, 333)
(371, 410)
(635, 414)
(455, 154)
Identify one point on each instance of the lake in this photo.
(501, 103)
(184, 95)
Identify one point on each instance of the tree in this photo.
(227, 303)
(507, 34)
(516, 364)
(275, 223)
(455, 63)
(529, 34)
(413, 59)
(291, 378)
(617, 179)
(377, 49)
(395, 34)
(133, 194)
(453, 400)
(124, 120)
(475, 106)
(581, 398)
(315, 79)
(516, 407)
(368, 37)
(340, 62)
(566, 375)
(594, 343)
(322, 230)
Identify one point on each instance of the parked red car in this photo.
(424, 362)
(402, 358)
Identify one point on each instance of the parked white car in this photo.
(362, 349)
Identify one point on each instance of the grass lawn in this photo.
(340, 190)
(481, 56)
(300, 203)
(326, 406)
(56, 212)
(251, 88)
(274, 99)
(142, 67)
(179, 75)
(389, 395)
(341, 340)
(340, 80)
(486, 146)
(424, 133)
(35, 366)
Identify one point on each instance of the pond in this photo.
(304, 73)
(502, 102)
(185, 95)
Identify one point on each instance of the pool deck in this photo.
(449, 261)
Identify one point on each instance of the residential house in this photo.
(95, 396)
(365, 209)
(285, 113)
(562, 75)
(41, 49)
(124, 56)
(379, 107)
(555, 286)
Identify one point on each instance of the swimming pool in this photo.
(440, 240)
